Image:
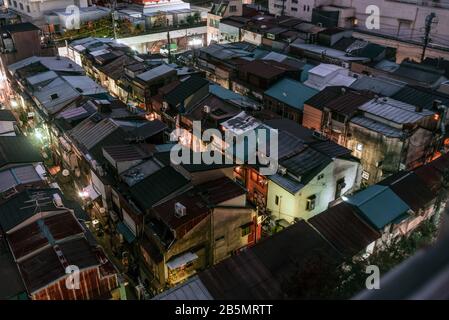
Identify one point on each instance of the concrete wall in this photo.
(294, 206)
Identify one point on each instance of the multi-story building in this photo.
(404, 20)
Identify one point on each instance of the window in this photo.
(28, 9)
(276, 200)
(21, 6)
(294, 1)
(320, 176)
(246, 229)
(233, 9)
(294, 9)
(9, 2)
(340, 186)
(15, 4)
(304, 7)
(359, 147)
(311, 203)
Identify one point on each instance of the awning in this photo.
(125, 232)
(181, 260)
(90, 192)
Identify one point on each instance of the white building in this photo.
(404, 19)
(33, 11)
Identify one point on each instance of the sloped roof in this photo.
(418, 96)
(19, 27)
(55, 95)
(342, 227)
(269, 263)
(306, 164)
(379, 206)
(411, 189)
(18, 175)
(185, 89)
(17, 150)
(157, 186)
(384, 86)
(325, 96)
(291, 92)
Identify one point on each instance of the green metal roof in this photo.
(292, 93)
(379, 206)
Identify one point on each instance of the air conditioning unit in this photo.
(180, 210)
(206, 109)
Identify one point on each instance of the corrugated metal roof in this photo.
(16, 176)
(394, 110)
(286, 183)
(192, 289)
(377, 126)
(379, 206)
(342, 227)
(56, 95)
(291, 92)
(383, 86)
(88, 133)
(306, 164)
(156, 72)
(410, 188)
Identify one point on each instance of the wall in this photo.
(227, 223)
(312, 118)
(376, 148)
(294, 206)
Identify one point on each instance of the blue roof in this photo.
(223, 93)
(291, 92)
(127, 234)
(379, 205)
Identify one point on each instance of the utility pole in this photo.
(114, 18)
(428, 27)
(169, 46)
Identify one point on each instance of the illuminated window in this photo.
(359, 147)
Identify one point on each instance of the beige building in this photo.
(222, 9)
(404, 19)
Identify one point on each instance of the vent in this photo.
(180, 210)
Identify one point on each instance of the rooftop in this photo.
(17, 150)
(379, 206)
(291, 92)
(395, 111)
(19, 27)
(341, 225)
(162, 183)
